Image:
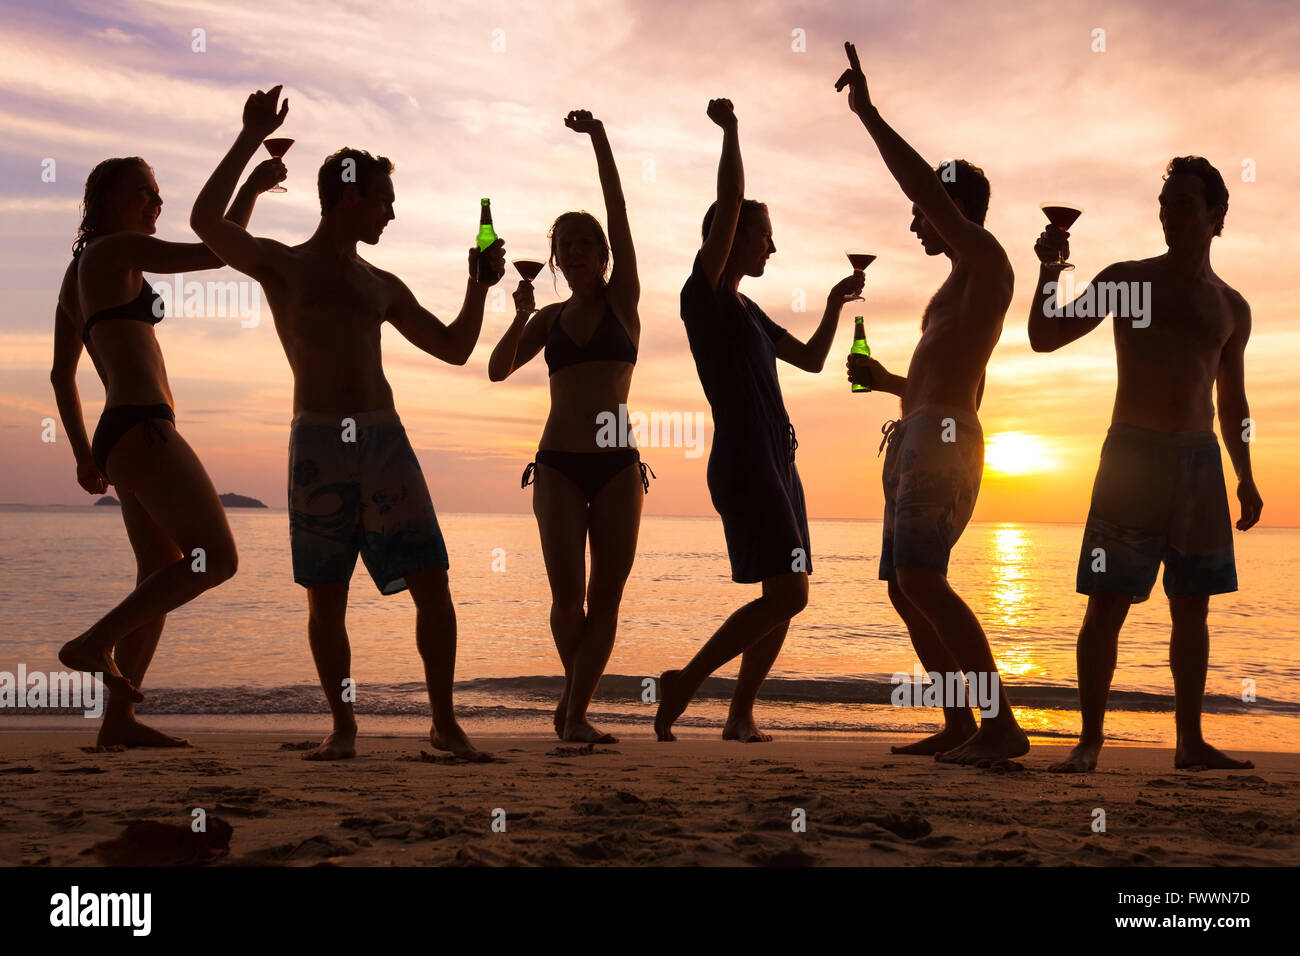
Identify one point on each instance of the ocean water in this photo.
(237, 657)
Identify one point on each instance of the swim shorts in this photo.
(1158, 496)
(355, 486)
(931, 476)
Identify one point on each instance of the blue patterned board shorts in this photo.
(354, 491)
(1158, 496)
(931, 476)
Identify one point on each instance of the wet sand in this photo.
(639, 802)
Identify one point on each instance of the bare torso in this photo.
(962, 324)
(579, 393)
(1167, 369)
(329, 313)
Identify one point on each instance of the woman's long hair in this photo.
(100, 186)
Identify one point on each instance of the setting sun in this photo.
(1016, 453)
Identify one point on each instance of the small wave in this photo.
(528, 695)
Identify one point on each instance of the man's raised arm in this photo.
(452, 343)
(229, 239)
(1052, 326)
(919, 182)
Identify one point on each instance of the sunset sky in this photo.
(468, 99)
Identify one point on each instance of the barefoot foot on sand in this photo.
(129, 732)
(744, 730)
(339, 745)
(1201, 756)
(670, 706)
(582, 732)
(988, 744)
(453, 740)
(946, 739)
(76, 655)
(560, 708)
(1082, 759)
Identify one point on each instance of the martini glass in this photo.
(859, 261)
(1062, 216)
(277, 148)
(528, 268)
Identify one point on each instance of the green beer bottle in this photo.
(486, 236)
(860, 347)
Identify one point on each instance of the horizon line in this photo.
(25, 504)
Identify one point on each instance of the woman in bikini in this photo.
(584, 491)
(169, 505)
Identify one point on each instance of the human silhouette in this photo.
(169, 505)
(752, 477)
(935, 459)
(355, 485)
(584, 493)
(1159, 494)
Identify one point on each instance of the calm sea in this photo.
(238, 658)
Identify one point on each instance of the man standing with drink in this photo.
(936, 451)
(355, 485)
(1159, 494)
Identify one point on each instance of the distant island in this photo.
(229, 500)
(240, 501)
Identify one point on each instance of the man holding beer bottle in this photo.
(936, 451)
(355, 485)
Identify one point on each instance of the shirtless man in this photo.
(1159, 493)
(936, 451)
(354, 481)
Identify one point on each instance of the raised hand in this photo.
(864, 370)
(848, 288)
(268, 173)
(855, 80)
(1053, 247)
(722, 112)
(496, 262)
(581, 121)
(260, 114)
(524, 302)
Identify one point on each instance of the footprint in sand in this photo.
(791, 856)
(150, 843)
(67, 821)
(586, 750)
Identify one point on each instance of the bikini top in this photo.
(609, 341)
(145, 307)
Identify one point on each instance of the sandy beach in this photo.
(638, 802)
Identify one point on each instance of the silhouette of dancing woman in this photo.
(752, 476)
(584, 491)
(169, 505)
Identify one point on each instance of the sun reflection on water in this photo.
(1007, 608)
